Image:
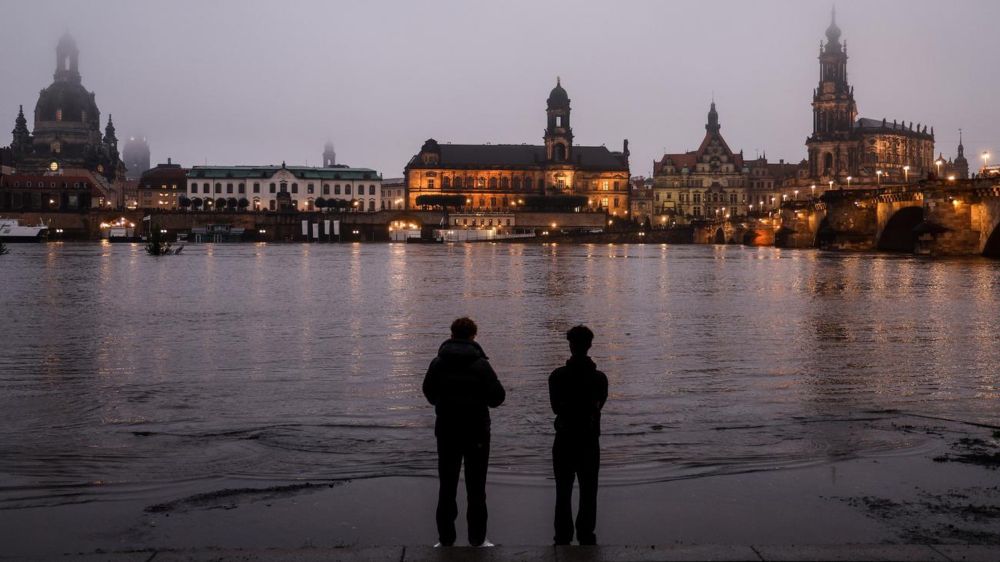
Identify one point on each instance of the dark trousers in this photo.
(576, 457)
(451, 452)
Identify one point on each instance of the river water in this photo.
(122, 373)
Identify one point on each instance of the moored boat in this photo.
(11, 230)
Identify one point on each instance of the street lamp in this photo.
(938, 163)
(906, 174)
(878, 178)
(796, 194)
(986, 160)
(813, 188)
(849, 178)
(831, 184)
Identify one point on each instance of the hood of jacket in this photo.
(461, 351)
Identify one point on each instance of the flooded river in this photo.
(122, 373)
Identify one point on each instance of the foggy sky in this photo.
(259, 82)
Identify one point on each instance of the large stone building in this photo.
(393, 193)
(495, 177)
(283, 188)
(162, 187)
(870, 151)
(66, 136)
(713, 182)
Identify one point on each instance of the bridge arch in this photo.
(748, 237)
(898, 235)
(992, 248)
(720, 236)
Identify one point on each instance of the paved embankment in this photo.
(903, 552)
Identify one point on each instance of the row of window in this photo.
(505, 183)
(603, 202)
(283, 187)
(52, 185)
(714, 198)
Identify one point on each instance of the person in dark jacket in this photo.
(462, 387)
(577, 392)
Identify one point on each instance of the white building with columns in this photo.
(272, 188)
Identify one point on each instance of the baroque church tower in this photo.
(329, 156)
(558, 133)
(831, 152)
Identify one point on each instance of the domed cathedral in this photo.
(868, 150)
(136, 156)
(495, 177)
(67, 127)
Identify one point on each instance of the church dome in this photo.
(833, 32)
(67, 102)
(558, 96)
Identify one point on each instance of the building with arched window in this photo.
(273, 188)
(495, 177)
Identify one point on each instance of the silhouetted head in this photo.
(580, 337)
(463, 329)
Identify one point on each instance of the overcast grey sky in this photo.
(253, 82)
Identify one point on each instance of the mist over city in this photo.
(253, 82)
(578, 281)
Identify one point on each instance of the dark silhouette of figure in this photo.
(577, 392)
(462, 386)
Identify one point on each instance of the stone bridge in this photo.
(937, 218)
(749, 232)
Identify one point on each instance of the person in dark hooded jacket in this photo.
(462, 387)
(577, 392)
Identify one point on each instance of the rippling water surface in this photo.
(120, 371)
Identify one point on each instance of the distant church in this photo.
(67, 128)
(136, 157)
(495, 177)
(870, 150)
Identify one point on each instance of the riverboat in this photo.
(11, 230)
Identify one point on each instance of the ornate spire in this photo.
(22, 137)
(961, 149)
(109, 132)
(833, 32)
(713, 119)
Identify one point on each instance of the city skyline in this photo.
(187, 98)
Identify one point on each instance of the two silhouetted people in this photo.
(462, 386)
(577, 392)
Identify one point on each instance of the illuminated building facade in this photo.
(162, 187)
(495, 177)
(705, 183)
(285, 188)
